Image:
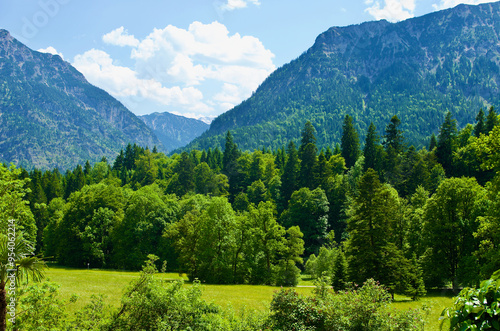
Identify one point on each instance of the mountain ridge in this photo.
(50, 115)
(417, 69)
(174, 131)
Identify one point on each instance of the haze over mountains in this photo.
(417, 69)
(174, 131)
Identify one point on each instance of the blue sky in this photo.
(196, 58)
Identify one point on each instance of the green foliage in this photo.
(447, 143)
(476, 309)
(287, 273)
(40, 308)
(488, 232)
(13, 203)
(364, 308)
(323, 86)
(146, 216)
(89, 219)
(350, 142)
(449, 223)
(308, 210)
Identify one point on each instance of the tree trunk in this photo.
(3, 307)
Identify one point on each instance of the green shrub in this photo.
(360, 308)
(476, 309)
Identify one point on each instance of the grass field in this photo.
(84, 283)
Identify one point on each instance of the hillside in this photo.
(174, 131)
(50, 116)
(417, 69)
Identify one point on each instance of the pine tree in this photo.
(339, 279)
(87, 168)
(447, 143)
(491, 120)
(118, 164)
(307, 156)
(393, 136)
(369, 248)
(433, 142)
(480, 125)
(328, 153)
(129, 158)
(323, 170)
(289, 179)
(230, 163)
(372, 149)
(349, 142)
(184, 169)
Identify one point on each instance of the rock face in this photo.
(174, 131)
(50, 116)
(417, 69)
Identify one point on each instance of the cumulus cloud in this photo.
(201, 70)
(444, 4)
(392, 10)
(120, 37)
(50, 50)
(99, 69)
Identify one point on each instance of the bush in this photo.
(365, 308)
(476, 309)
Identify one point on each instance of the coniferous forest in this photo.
(368, 208)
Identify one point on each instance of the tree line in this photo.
(378, 209)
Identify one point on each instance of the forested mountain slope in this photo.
(417, 69)
(50, 116)
(174, 131)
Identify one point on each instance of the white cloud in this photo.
(237, 4)
(444, 4)
(393, 10)
(98, 68)
(120, 37)
(201, 70)
(50, 50)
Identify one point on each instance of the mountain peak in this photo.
(417, 69)
(52, 117)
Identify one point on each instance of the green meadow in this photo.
(111, 284)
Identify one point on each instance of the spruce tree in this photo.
(480, 125)
(118, 164)
(370, 249)
(184, 169)
(349, 142)
(447, 143)
(433, 142)
(230, 163)
(323, 170)
(307, 156)
(491, 120)
(339, 279)
(371, 151)
(394, 136)
(289, 179)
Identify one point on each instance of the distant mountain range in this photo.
(50, 116)
(417, 69)
(174, 131)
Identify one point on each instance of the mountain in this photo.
(174, 131)
(417, 69)
(50, 116)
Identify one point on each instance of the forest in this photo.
(372, 208)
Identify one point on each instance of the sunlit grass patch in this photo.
(112, 283)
